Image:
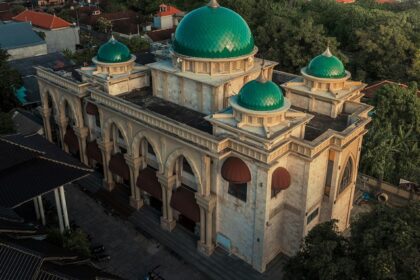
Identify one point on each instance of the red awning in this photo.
(92, 109)
(234, 170)
(280, 179)
(183, 200)
(71, 140)
(93, 151)
(118, 166)
(148, 181)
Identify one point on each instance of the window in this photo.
(274, 192)
(186, 167)
(329, 177)
(97, 121)
(347, 174)
(150, 149)
(238, 190)
(312, 216)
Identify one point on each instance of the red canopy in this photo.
(147, 181)
(234, 170)
(183, 200)
(280, 179)
(118, 166)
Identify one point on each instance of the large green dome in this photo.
(113, 51)
(326, 66)
(213, 32)
(261, 95)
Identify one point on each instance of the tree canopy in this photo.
(384, 244)
(10, 80)
(391, 148)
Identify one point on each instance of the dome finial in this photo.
(261, 77)
(327, 52)
(213, 4)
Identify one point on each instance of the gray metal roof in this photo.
(17, 35)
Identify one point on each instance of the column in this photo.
(106, 148)
(41, 209)
(134, 163)
(207, 205)
(62, 124)
(46, 114)
(82, 133)
(64, 207)
(59, 212)
(167, 221)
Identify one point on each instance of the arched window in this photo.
(347, 175)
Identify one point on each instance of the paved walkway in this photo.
(138, 232)
(132, 254)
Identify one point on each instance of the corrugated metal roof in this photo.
(18, 35)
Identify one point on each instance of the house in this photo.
(167, 17)
(209, 141)
(50, 2)
(60, 35)
(21, 41)
(5, 13)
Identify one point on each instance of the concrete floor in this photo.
(132, 254)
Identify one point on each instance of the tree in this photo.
(390, 149)
(73, 240)
(323, 255)
(103, 25)
(10, 81)
(384, 244)
(6, 123)
(135, 44)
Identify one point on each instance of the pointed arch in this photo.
(145, 135)
(121, 127)
(64, 100)
(170, 165)
(346, 176)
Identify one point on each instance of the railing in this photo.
(64, 82)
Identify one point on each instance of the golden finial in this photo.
(213, 4)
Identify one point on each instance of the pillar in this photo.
(106, 149)
(64, 207)
(207, 205)
(39, 209)
(46, 114)
(82, 133)
(167, 221)
(134, 163)
(62, 124)
(59, 212)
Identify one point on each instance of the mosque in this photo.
(208, 140)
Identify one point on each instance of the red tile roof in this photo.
(345, 1)
(166, 10)
(370, 90)
(42, 20)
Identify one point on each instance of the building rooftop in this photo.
(42, 20)
(161, 34)
(321, 123)
(18, 35)
(145, 100)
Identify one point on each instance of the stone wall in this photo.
(29, 51)
(61, 39)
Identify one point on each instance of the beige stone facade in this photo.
(184, 125)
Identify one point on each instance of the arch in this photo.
(107, 132)
(45, 97)
(346, 176)
(62, 105)
(170, 165)
(145, 135)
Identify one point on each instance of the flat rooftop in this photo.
(145, 100)
(321, 123)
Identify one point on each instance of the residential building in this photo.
(210, 141)
(21, 41)
(167, 17)
(60, 35)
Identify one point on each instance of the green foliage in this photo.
(135, 44)
(384, 244)
(75, 241)
(17, 9)
(9, 81)
(6, 123)
(81, 57)
(390, 149)
(103, 24)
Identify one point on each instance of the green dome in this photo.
(213, 32)
(327, 66)
(260, 95)
(113, 51)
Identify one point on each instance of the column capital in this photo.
(82, 132)
(62, 121)
(166, 182)
(132, 161)
(207, 202)
(105, 146)
(46, 112)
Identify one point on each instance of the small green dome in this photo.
(213, 32)
(326, 66)
(113, 51)
(260, 95)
